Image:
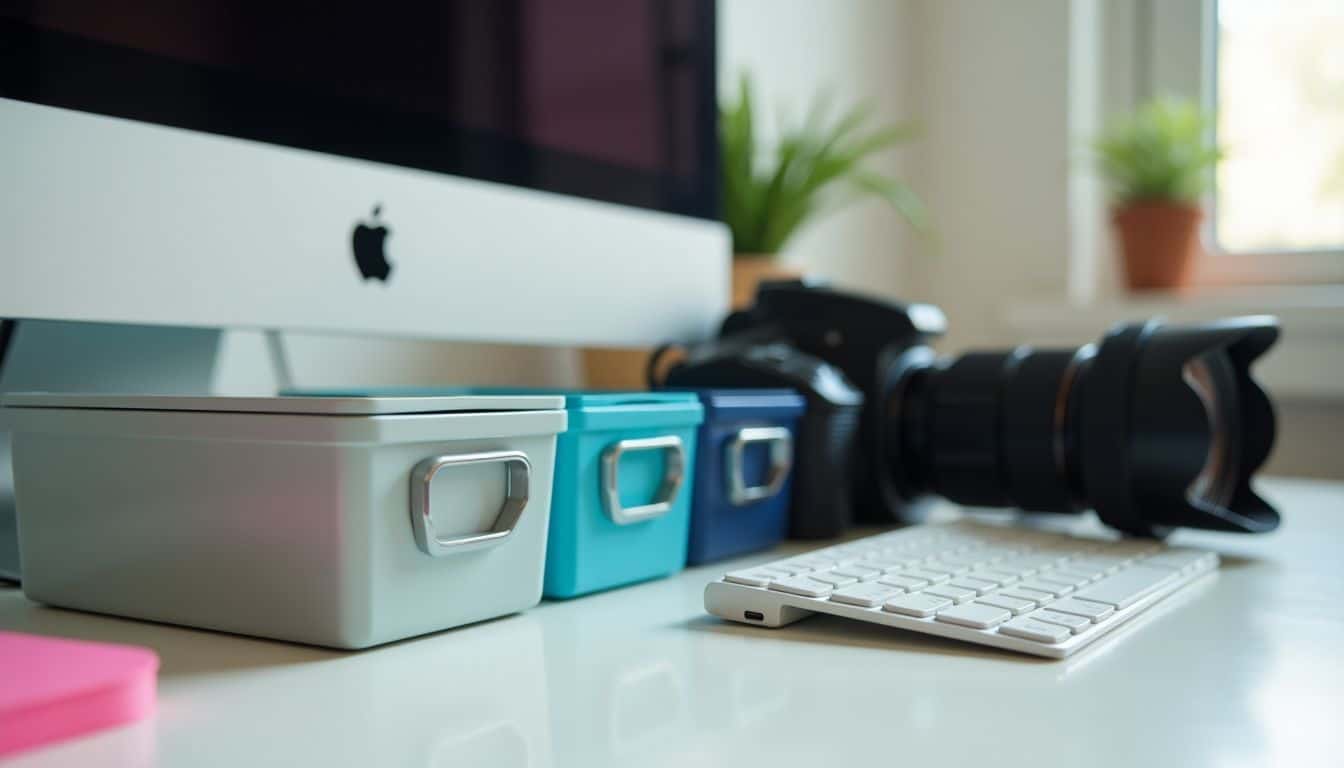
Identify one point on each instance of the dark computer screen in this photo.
(606, 99)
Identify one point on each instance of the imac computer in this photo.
(526, 171)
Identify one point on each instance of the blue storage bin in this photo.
(743, 471)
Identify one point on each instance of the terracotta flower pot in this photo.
(749, 269)
(1159, 241)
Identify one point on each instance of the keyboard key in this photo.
(920, 606)
(980, 586)
(1035, 598)
(758, 577)
(1093, 612)
(1049, 588)
(867, 594)
(955, 594)
(1127, 587)
(904, 582)
(995, 574)
(951, 569)
(975, 615)
(857, 571)
(788, 568)
(999, 600)
(884, 566)
(970, 559)
(890, 563)
(933, 577)
(834, 578)
(1177, 559)
(1101, 564)
(1028, 564)
(979, 575)
(1030, 629)
(802, 585)
(1085, 575)
(1063, 578)
(1074, 622)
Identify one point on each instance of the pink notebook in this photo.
(52, 689)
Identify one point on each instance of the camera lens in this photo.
(1156, 426)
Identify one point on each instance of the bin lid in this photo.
(786, 401)
(588, 409)
(633, 410)
(291, 404)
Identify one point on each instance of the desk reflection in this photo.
(472, 696)
(629, 700)
(631, 685)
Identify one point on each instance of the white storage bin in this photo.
(344, 522)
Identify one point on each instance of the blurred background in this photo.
(1009, 100)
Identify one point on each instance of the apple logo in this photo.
(367, 242)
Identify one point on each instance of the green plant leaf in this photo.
(896, 194)
(766, 200)
(1160, 152)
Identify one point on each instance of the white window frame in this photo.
(1170, 65)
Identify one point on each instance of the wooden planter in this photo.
(1159, 242)
(750, 269)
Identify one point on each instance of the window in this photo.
(1278, 93)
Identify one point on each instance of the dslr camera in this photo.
(1156, 426)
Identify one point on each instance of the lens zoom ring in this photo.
(1032, 397)
(963, 462)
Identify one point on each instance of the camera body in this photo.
(1154, 427)
(824, 460)
(869, 341)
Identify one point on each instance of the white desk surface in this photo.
(1248, 671)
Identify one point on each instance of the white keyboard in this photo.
(1028, 591)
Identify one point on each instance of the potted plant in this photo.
(816, 166)
(1158, 163)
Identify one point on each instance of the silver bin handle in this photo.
(674, 474)
(780, 441)
(516, 489)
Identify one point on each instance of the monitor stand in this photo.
(60, 356)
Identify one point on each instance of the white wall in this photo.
(992, 84)
(858, 50)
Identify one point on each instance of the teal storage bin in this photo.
(621, 509)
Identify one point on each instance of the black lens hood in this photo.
(1144, 434)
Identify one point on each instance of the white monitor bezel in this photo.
(113, 220)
